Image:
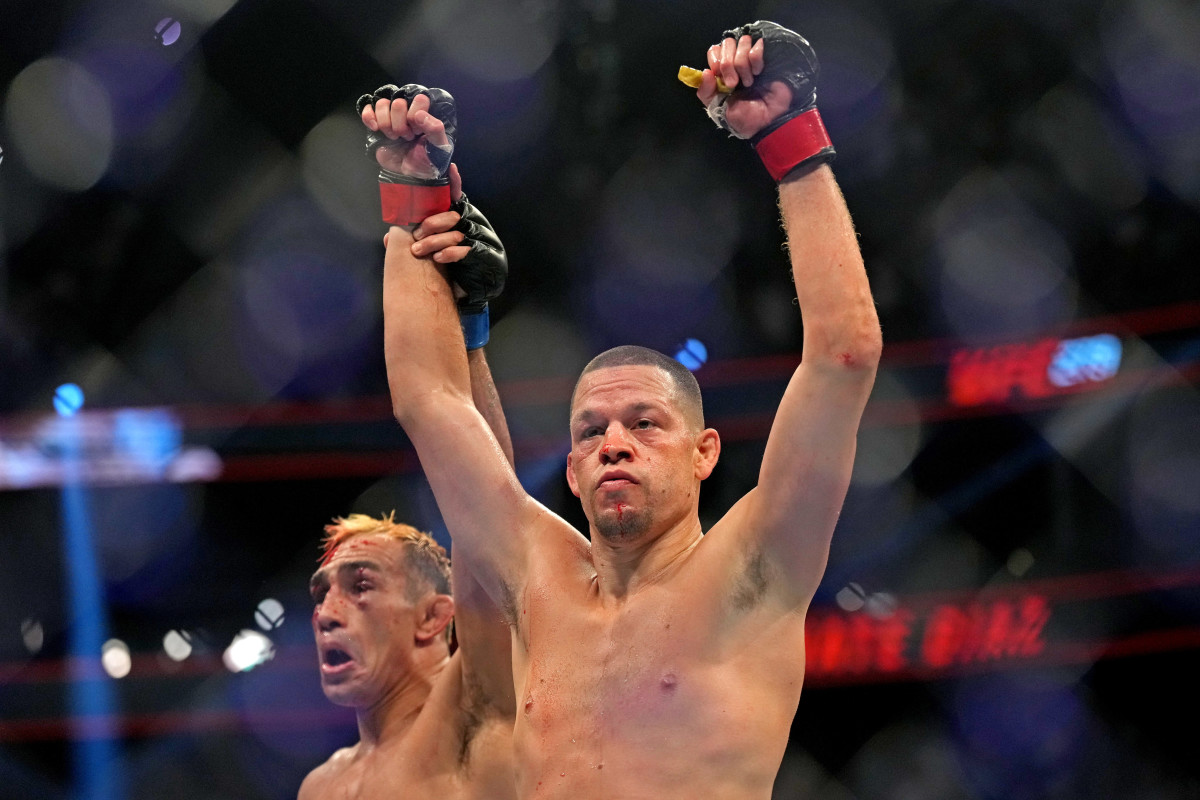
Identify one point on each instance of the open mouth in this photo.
(335, 658)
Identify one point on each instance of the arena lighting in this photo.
(248, 650)
(111, 447)
(269, 614)
(68, 399)
(177, 645)
(116, 658)
(948, 636)
(33, 635)
(1049, 367)
(96, 760)
(693, 354)
(167, 31)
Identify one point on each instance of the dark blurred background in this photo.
(192, 384)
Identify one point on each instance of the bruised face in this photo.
(634, 462)
(363, 621)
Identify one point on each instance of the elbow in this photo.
(859, 350)
(403, 405)
(868, 347)
(412, 409)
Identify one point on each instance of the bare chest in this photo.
(425, 769)
(598, 672)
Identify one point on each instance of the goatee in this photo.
(622, 523)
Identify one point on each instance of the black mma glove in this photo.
(797, 136)
(408, 199)
(479, 275)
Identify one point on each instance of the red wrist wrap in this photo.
(406, 204)
(800, 138)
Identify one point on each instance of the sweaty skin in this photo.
(427, 728)
(653, 661)
(432, 726)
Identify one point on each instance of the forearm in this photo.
(841, 326)
(487, 400)
(423, 346)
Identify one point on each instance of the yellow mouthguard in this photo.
(692, 78)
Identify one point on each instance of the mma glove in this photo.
(479, 275)
(797, 137)
(408, 199)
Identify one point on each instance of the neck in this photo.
(394, 714)
(624, 567)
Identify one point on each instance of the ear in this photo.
(434, 614)
(708, 450)
(571, 476)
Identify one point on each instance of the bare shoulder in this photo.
(559, 550)
(562, 566)
(321, 781)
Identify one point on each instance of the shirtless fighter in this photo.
(656, 660)
(431, 724)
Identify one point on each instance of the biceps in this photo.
(811, 447)
(805, 474)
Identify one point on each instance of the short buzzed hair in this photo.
(632, 355)
(425, 561)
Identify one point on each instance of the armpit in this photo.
(751, 583)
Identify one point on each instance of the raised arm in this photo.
(481, 626)
(471, 248)
(486, 511)
(790, 516)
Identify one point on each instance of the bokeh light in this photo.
(1021, 734)
(693, 354)
(1094, 153)
(888, 445)
(60, 120)
(68, 399)
(177, 644)
(248, 650)
(116, 658)
(479, 35)
(338, 176)
(914, 759)
(269, 614)
(1150, 47)
(851, 597)
(1019, 562)
(1004, 269)
(307, 299)
(32, 635)
(167, 31)
(1164, 464)
(560, 351)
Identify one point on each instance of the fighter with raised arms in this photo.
(657, 660)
